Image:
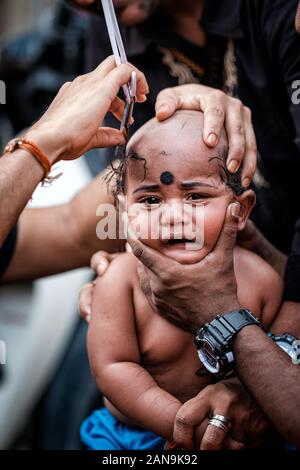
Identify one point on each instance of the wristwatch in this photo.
(214, 340)
(290, 345)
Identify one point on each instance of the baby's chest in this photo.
(160, 341)
(168, 353)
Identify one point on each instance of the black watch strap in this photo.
(224, 327)
(236, 320)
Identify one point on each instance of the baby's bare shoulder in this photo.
(125, 260)
(259, 284)
(252, 267)
(113, 290)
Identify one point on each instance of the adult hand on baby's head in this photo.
(100, 262)
(227, 398)
(219, 110)
(71, 124)
(191, 295)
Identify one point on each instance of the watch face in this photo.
(207, 356)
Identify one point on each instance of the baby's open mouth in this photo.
(182, 242)
(176, 240)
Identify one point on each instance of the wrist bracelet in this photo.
(289, 344)
(40, 156)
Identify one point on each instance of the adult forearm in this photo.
(288, 320)
(57, 239)
(272, 378)
(20, 173)
(45, 245)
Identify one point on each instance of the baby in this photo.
(145, 366)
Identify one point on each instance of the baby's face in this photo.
(178, 203)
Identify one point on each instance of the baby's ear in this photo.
(247, 201)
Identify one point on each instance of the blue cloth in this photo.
(102, 431)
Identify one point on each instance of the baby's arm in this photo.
(115, 357)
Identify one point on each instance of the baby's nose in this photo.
(172, 214)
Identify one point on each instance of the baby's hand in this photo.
(100, 262)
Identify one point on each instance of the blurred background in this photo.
(23, 15)
(46, 389)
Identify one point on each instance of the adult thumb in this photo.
(166, 104)
(227, 238)
(107, 137)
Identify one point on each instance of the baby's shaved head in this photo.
(184, 124)
(181, 134)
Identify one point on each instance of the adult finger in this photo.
(191, 414)
(232, 444)
(117, 108)
(234, 124)
(144, 279)
(142, 87)
(106, 66)
(121, 72)
(120, 76)
(128, 248)
(106, 137)
(214, 108)
(100, 261)
(85, 302)
(167, 102)
(213, 438)
(145, 284)
(227, 237)
(199, 433)
(151, 258)
(181, 97)
(250, 158)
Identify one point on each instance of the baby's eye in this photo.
(150, 201)
(197, 197)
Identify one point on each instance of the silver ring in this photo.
(223, 419)
(219, 424)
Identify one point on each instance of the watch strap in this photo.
(237, 319)
(285, 337)
(224, 327)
